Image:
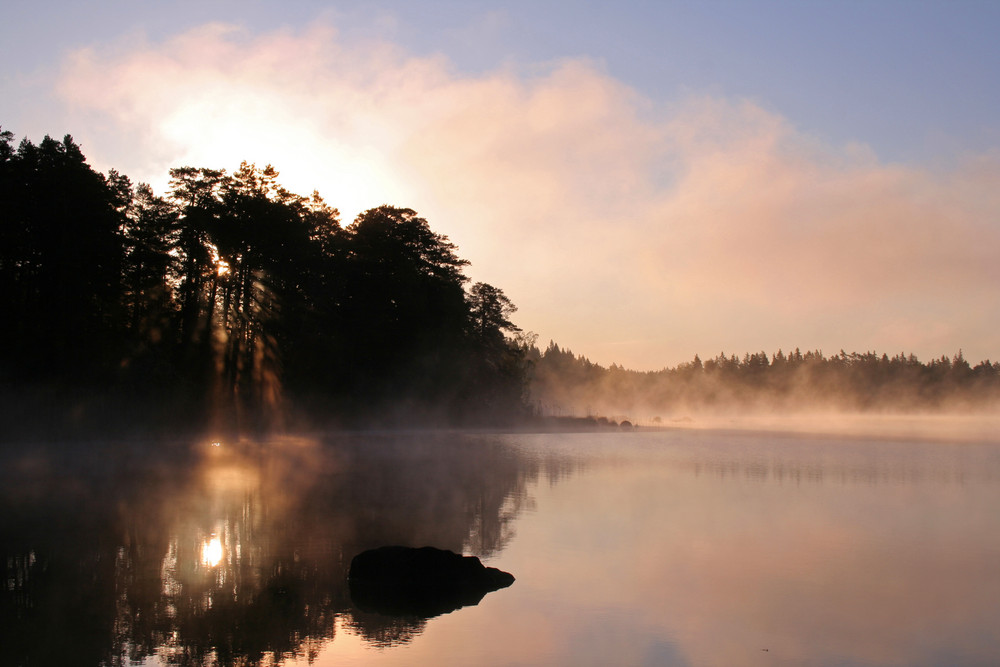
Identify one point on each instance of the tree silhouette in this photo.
(60, 263)
(798, 381)
(405, 305)
(233, 302)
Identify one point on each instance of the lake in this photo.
(653, 547)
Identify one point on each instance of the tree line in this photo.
(232, 302)
(565, 383)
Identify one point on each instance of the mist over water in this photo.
(220, 552)
(670, 546)
(858, 394)
(935, 427)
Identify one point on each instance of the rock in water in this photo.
(425, 582)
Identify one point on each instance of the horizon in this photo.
(646, 183)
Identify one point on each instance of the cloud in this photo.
(631, 230)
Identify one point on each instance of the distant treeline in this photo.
(232, 302)
(564, 383)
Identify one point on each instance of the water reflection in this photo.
(211, 552)
(785, 459)
(642, 548)
(717, 546)
(231, 553)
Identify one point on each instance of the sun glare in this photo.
(351, 172)
(211, 552)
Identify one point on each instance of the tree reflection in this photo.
(235, 554)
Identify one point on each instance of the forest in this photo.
(231, 303)
(567, 384)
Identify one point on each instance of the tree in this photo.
(231, 291)
(263, 238)
(312, 329)
(60, 263)
(498, 368)
(196, 194)
(491, 310)
(149, 234)
(405, 304)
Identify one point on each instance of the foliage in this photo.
(61, 255)
(567, 384)
(235, 303)
(232, 303)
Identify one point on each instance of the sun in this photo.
(352, 172)
(211, 552)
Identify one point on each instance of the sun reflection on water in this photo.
(211, 552)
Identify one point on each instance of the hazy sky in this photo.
(647, 181)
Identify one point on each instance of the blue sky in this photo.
(646, 180)
(914, 79)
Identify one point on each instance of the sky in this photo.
(646, 181)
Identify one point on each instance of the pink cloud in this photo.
(630, 231)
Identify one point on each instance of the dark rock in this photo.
(425, 582)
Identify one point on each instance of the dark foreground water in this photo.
(647, 548)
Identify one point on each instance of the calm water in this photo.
(646, 548)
